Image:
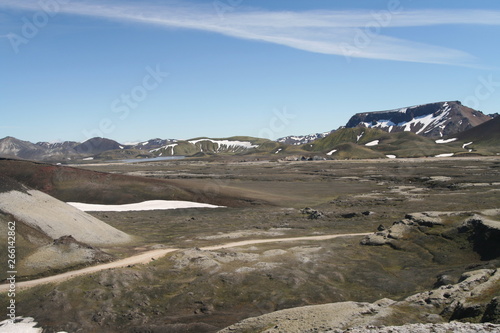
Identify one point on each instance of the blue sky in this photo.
(136, 70)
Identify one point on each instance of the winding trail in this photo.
(148, 256)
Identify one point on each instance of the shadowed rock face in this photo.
(485, 235)
(431, 120)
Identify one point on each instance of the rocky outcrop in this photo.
(434, 307)
(484, 231)
(398, 230)
(456, 327)
(428, 219)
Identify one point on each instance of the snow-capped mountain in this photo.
(151, 144)
(433, 120)
(298, 140)
(58, 145)
(206, 145)
(102, 148)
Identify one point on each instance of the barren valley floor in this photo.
(202, 287)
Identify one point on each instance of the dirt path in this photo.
(148, 256)
(275, 240)
(142, 258)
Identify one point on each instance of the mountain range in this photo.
(443, 128)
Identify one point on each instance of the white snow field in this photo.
(140, 206)
(446, 141)
(331, 152)
(21, 325)
(372, 143)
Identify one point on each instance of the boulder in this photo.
(312, 213)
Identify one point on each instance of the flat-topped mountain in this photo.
(433, 120)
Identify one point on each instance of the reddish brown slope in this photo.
(78, 185)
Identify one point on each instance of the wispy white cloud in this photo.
(345, 33)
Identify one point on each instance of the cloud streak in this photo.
(344, 33)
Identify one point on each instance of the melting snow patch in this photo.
(277, 151)
(466, 144)
(331, 152)
(446, 141)
(88, 159)
(145, 205)
(20, 325)
(390, 156)
(372, 143)
(359, 136)
(166, 148)
(445, 155)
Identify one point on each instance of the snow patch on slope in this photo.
(372, 143)
(331, 152)
(141, 206)
(171, 146)
(446, 141)
(466, 144)
(227, 144)
(20, 325)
